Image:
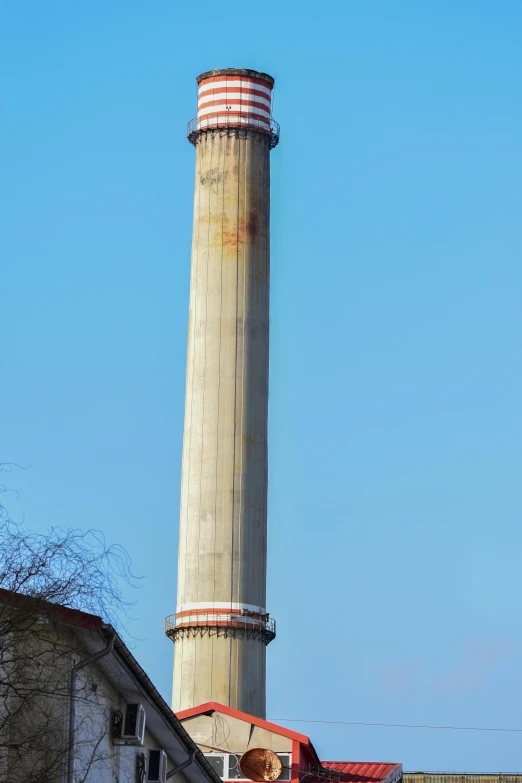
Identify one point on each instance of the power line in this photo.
(396, 725)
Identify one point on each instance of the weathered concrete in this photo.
(222, 545)
(217, 731)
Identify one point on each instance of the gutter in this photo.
(184, 764)
(111, 636)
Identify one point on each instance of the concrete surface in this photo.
(222, 544)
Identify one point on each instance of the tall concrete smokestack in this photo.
(221, 626)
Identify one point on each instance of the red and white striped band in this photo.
(220, 613)
(218, 605)
(234, 99)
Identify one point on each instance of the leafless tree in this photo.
(39, 574)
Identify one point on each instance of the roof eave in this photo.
(198, 772)
(214, 706)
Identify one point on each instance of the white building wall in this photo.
(108, 762)
(98, 759)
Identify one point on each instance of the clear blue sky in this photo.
(395, 497)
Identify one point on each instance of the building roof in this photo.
(214, 706)
(57, 612)
(365, 771)
(350, 771)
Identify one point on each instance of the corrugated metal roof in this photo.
(365, 771)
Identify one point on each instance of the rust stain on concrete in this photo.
(242, 232)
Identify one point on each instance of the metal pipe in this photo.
(72, 700)
(183, 764)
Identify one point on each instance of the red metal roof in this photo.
(365, 771)
(351, 771)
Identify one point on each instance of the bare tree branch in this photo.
(39, 573)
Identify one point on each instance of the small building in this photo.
(75, 705)
(462, 777)
(224, 734)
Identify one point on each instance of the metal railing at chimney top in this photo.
(230, 121)
(222, 624)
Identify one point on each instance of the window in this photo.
(217, 763)
(226, 765)
(234, 771)
(286, 761)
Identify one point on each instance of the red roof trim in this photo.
(214, 706)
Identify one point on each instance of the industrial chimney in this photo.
(221, 626)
